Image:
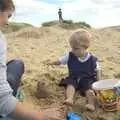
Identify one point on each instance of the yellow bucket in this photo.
(107, 94)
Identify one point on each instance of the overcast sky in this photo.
(97, 13)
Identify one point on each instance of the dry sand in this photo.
(35, 45)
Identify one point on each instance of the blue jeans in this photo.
(15, 70)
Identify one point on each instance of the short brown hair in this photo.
(80, 37)
(7, 5)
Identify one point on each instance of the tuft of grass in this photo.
(50, 23)
(67, 24)
(13, 27)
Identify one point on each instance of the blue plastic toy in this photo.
(117, 90)
(73, 116)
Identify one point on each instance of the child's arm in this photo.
(98, 69)
(57, 62)
(62, 60)
(49, 62)
(23, 112)
(98, 74)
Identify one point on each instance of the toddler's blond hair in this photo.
(80, 37)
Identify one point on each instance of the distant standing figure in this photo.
(60, 15)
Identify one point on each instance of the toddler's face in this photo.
(79, 43)
(79, 51)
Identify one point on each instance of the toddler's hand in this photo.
(47, 62)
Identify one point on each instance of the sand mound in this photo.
(36, 45)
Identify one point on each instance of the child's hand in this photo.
(47, 62)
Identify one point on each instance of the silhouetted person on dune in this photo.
(60, 15)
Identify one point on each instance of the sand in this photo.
(36, 45)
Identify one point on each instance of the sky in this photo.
(97, 13)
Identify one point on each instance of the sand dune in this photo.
(35, 45)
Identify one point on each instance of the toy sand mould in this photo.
(108, 94)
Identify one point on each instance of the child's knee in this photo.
(19, 62)
(70, 87)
